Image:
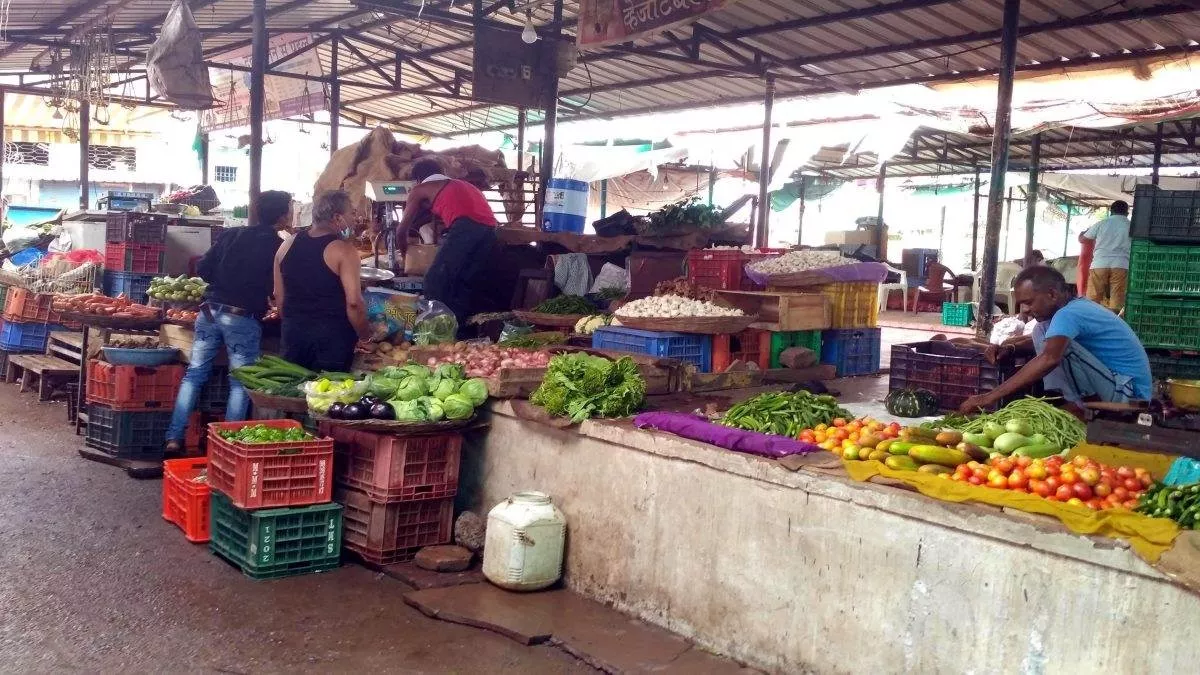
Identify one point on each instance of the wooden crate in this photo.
(779, 311)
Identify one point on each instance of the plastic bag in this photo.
(390, 313)
(512, 330)
(320, 394)
(435, 325)
(175, 62)
(20, 238)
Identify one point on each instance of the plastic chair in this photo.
(1005, 273)
(886, 289)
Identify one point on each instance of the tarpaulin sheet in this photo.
(858, 272)
(698, 428)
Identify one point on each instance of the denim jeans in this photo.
(241, 336)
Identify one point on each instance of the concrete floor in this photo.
(93, 579)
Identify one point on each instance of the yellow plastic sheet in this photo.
(1149, 537)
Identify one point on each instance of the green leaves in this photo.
(580, 386)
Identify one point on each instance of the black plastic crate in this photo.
(131, 435)
(1164, 365)
(140, 228)
(952, 373)
(1168, 216)
(214, 396)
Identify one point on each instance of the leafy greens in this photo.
(580, 386)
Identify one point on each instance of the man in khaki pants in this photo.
(1109, 273)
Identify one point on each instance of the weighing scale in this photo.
(120, 200)
(389, 199)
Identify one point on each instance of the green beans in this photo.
(783, 413)
(1060, 428)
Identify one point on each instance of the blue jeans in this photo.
(242, 337)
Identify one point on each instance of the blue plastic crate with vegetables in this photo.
(691, 348)
(131, 285)
(853, 351)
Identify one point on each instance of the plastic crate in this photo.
(387, 533)
(393, 468)
(957, 313)
(852, 351)
(133, 387)
(3, 297)
(1158, 269)
(125, 434)
(269, 475)
(1160, 323)
(852, 305)
(692, 348)
(723, 270)
(750, 346)
(1169, 216)
(132, 257)
(17, 336)
(23, 305)
(214, 395)
(809, 339)
(185, 500)
(133, 286)
(952, 373)
(276, 542)
(1164, 365)
(140, 228)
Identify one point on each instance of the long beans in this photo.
(782, 413)
(1060, 428)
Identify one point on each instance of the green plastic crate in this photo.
(1164, 270)
(957, 313)
(1164, 365)
(809, 339)
(1161, 323)
(271, 543)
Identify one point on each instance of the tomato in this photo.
(1063, 493)
(981, 474)
(1075, 501)
(1039, 487)
(1113, 500)
(1108, 474)
(1022, 462)
(1103, 489)
(1037, 469)
(1132, 484)
(1147, 481)
(1017, 480)
(1053, 482)
(1069, 478)
(1089, 476)
(975, 480)
(1004, 466)
(839, 422)
(821, 427)
(1131, 504)
(998, 481)
(1083, 491)
(958, 477)
(1080, 461)
(1095, 504)
(1125, 472)
(1121, 492)
(1053, 469)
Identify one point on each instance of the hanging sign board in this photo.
(282, 96)
(608, 22)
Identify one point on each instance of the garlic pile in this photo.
(673, 306)
(801, 261)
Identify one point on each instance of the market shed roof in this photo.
(815, 47)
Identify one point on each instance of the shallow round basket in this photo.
(120, 356)
(288, 404)
(100, 321)
(707, 325)
(401, 428)
(553, 320)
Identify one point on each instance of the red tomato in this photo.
(1068, 478)
(980, 473)
(1125, 472)
(1053, 482)
(1132, 484)
(839, 422)
(958, 477)
(1053, 469)
(1102, 489)
(1080, 461)
(1063, 493)
(1131, 504)
(975, 480)
(1037, 469)
(1017, 480)
(1095, 504)
(1004, 465)
(997, 480)
(1023, 462)
(1083, 491)
(1040, 487)
(1120, 492)
(1089, 476)
(1147, 481)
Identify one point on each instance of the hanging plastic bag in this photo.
(175, 62)
(435, 325)
(512, 330)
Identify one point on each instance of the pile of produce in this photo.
(801, 261)
(275, 376)
(580, 386)
(96, 304)
(688, 213)
(847, 439)
(535, 340)
(182, 315)
(588, 324)
(783, 413)
(261, 433)
(1038, 422)
(415, 393)
(177, 289)
(325, 391)
(134, 343)
(1180, 503)
(685, 288)
(566, 304)
(1080, 481)
(673, 306)
(487, 360)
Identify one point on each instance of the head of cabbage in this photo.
(411, 388)
(410, 411)
(475, 390)
(436, 412)
(458, 407)
(445, 387)
(416, 369)
(451, 371)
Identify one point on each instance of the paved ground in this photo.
(92, 579)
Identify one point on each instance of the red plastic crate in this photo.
(267, 475)
(185, 501)
(386, 533)
(394, 468)
(722, 270)
(750, 345)
(21, 304)
(133, 387)
(133, 257)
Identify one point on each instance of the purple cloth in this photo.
(875, 272)
(698, 428)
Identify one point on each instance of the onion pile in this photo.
(485, 361)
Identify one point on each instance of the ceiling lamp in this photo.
(529, 34)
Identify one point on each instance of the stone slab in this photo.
(444, 558)
(420, 579)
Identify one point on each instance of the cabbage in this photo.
(458, 407)
(444, 388)
(416, 369)
(382, 386)
(411, 388)
(451, 371)
(410, 411)
(436, 412)
(475, 390)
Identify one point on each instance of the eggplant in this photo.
(368, 400)
(383, 411)
(335, 410)
(354, 411)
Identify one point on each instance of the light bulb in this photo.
(57, 114)
(528, 34)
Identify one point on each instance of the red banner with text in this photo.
(608, 22)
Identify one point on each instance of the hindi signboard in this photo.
(608, 22)
(282, 96)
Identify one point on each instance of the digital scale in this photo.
(389, 199)
(120, 200)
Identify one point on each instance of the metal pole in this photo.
(204, 158)
(975, 225)
(712, 183)
(258, 68)
(3, 144)
(764, 167)
(85, 140)
(880, 237)
(1007, 220)
(800, 220)
(1067, 230)
(1158, 142)
(1035, 162)
(335, 95)
(521, 115)
(550, 123)
(1000, 140)
(604, 198)
(942, 230)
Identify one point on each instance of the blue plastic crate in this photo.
(131, 285)
(694, 349)
(853, 351)
(26, 337)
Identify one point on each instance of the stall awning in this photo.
(28, 119)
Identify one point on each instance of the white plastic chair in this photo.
(886, 289)
(1005, 273)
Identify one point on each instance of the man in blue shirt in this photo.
(1083, 350)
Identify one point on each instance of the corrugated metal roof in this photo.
(814, 47)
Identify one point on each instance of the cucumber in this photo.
(979, 440)
(934, 469)
(900, 447)
(932, 454)
(900, 463)
(1038, 451)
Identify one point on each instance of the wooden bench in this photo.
(49, 371)
(66, 345)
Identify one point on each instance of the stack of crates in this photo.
(760, 347)
(29, 318)
(692, 348)
(397, 491)
(134, 252)
(129, 408)
(852, 343)
(1164, 279)
(270, 509)
(725, 269)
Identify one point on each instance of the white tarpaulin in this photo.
(590, 163)
(1111, 188)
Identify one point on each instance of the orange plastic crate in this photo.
(21, 304)
(267, 475)
(133, 387)
(387, 533)
(393, 468)
(185, 501)
(750, 346)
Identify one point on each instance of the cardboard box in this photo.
(419, 259)
(856, 238)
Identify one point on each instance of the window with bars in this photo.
(22, 152)
(112, 157)
(225, 174)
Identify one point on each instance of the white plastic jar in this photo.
(523, 547)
